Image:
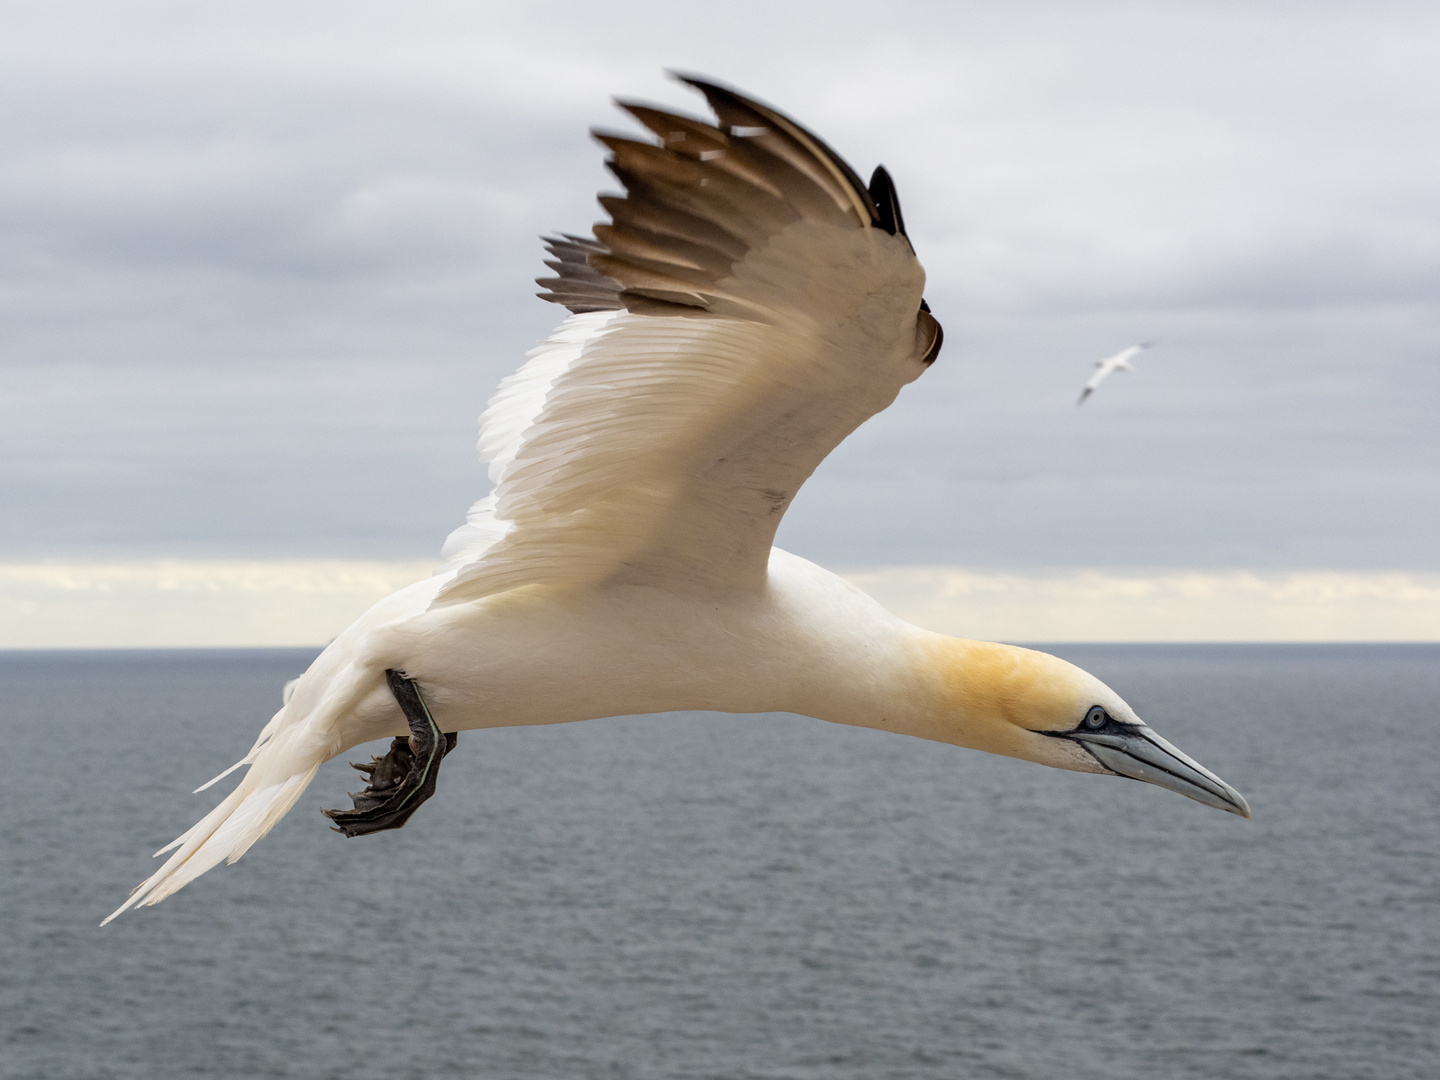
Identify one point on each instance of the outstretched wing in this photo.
(1119, 362)
(749, 305)
(1101, 370)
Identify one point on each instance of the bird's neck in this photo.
(846, 659)
(977, 694)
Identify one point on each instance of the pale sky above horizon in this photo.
(265, 263)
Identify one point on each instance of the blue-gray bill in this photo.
(1137, 752)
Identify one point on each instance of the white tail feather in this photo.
(249, 759)
(311, 728)
(224, 834)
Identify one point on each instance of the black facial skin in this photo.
(1098, 720)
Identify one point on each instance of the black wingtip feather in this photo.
(887, 202)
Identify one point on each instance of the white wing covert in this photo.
(750, 304)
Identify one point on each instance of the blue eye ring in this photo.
(1096, 718)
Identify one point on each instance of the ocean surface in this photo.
(704, 896)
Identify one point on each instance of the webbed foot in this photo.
(406, 776)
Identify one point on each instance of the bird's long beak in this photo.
(1140, 754)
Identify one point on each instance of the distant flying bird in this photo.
(1119, 362)
(749, 304)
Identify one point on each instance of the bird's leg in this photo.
(406, 776)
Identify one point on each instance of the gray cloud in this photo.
(263, 266)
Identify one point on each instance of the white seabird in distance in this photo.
(1119, 362)
(750, 303)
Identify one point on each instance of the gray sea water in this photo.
(700, 896)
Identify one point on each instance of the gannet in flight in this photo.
(748, 305)
(1119, 362)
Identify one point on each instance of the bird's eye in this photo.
(1096, 717)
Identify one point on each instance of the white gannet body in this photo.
(750, 304)
(1119, 362)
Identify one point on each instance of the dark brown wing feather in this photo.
(695, 204)
(577, 285)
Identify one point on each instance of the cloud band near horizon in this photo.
(174, 603)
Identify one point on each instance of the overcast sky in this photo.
(263, 263)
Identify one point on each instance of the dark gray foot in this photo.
(406, 776)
